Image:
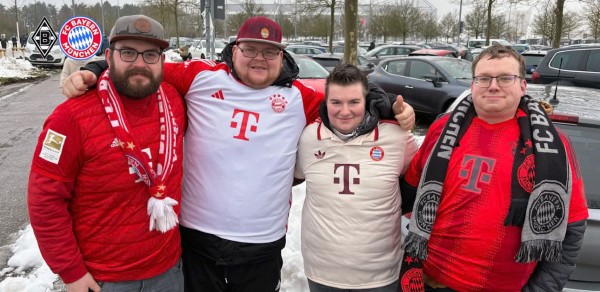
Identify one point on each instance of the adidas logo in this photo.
(218, 95)
(115, 143)
(319, 154)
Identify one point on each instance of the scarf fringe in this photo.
(516, 213)
(540, 250)
(415, 246)
(162, 216)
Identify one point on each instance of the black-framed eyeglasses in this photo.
(250, 52)
(129, 55)
(503, 80)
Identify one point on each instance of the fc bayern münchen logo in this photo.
(80, 38)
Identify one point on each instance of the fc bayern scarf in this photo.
(160, 206)
(540, 188)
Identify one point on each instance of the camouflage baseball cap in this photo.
(138, 27)
(260, 29)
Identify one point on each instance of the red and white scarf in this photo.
(160, 207)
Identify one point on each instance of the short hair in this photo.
(498, 51)
(346, 74)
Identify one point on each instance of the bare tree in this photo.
(448, 25)
(544, 23)
(558, 14)
(475, 21)
(378, 26)
(407, 19)
(593, 19)
(500, 27)
(319, 7)
(429, 28)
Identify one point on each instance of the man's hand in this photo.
(77, 83)
(404, 113)
(84, 284)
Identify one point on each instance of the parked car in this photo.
(532, 60)
(306, 50)
(577, 65)
(311, 73)
(340, 50)
(434, 52)
(329, 61)
(55, 58)
(583, 129)
(429, 84)
(389, 51)
(460, 51)
(480, 43)
(521, 48)
(199, 51)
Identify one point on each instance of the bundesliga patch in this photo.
(53, 146)
(80, 38)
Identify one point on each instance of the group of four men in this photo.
(117, 204)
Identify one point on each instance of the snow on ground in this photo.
(18, 68)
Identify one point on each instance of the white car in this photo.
(198, 49)
(55, 57)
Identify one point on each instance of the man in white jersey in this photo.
(352, 162)
(246, 116)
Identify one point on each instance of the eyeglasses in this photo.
(503, 81)
(269, 54)
(129, 55)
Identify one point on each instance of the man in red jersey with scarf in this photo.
(500, 202)
(105, 182)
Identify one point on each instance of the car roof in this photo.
(335, 56)
(534, 53)
(435, 52)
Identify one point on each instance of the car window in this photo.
(533, 60)
(593, 62)
(386, 52)
(395, 67)
(420, 69)
(362, 61)
(328, 62)
(457, 68)
(586, 141)
(570, 60)
(310, 69)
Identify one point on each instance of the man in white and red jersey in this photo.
(500, 202)
(351, 162)
(105, 180)
(245, 116)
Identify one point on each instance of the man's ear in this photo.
(107, 56)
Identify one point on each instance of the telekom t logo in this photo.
(478, 171)
(346, 177)
(245, 121)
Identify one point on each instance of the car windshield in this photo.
(218, 44)
(533, 60)
(328, 62)
(458, 69)
(310, 69)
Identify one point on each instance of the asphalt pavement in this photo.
(23, 110)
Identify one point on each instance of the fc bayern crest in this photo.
(80, 38)
(376, 153)
(412, 280)
(278, 103)
(526, 173)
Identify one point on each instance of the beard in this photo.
(132, 89)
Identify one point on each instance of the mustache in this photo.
(138, 71)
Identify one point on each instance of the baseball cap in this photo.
(138, 27)
(260, 29)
